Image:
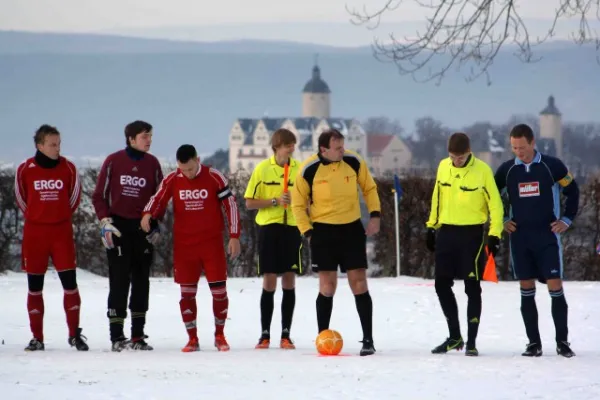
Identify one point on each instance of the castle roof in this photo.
(316, 84)
(550, 108)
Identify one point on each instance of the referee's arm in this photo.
(369, 189)
(300, 199)
(434, 215)
(495, 206)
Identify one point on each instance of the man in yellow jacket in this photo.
(328, 185)
(464, 196)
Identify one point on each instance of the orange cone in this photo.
(489, 273)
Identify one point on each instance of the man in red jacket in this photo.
(48, 191)
(198, 192)
(127, 180)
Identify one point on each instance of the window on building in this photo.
(250, 166)
(251, 152)
(240, 165)
(264, 152)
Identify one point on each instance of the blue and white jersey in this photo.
(534, 191)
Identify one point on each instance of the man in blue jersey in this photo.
(533, 183)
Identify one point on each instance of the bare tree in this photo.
(10, 221)
(462, 32)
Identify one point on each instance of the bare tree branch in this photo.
(470, 32)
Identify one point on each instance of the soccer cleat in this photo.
(79, 341)
(192, 345)
(533, 350)
(563, 349)
(367, 347)
(286, 343)
(471, 351)
(221, 343)
(119, 344)
(263, 343)
(449, 344)
(140, 344)
(35, 345)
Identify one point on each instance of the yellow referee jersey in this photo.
(329, 190)
(266, 183)
(466, 196)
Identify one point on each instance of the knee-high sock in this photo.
(288, 302)
(473, 292)
(187, 305)
(72, 305)
(560, 311)
(530, 315)
(443, 288)
(266, 312)
(35, 308)
(220, 306)
(324, 308)
(364, 306)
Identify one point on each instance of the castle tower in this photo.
(551, 125)
(316, 100)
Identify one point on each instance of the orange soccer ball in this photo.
(329, 342)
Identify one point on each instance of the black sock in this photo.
(324, 308)
(138, 321)
(473, 291)
(530, 315)
(443, 288)
(560, 312)
(288, 302)
(266, 312)
(364, 306)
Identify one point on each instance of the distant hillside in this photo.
(91, 86)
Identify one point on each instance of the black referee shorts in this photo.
(279, 248)
(460, 252)
(342, 245)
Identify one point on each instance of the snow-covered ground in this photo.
(407, 324)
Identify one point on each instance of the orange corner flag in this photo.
(489, 273)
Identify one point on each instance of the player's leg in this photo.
(446, 256)
(291, 265)
(35, 252)
(550, 263)
(63, 257)
(325, 261)
(524, 270)
(119, 271)
(186, 269)
(473, 260)
(267, 266)
(143, 256)
(215, 270)
(355, 264)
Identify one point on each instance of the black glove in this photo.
(154, 234)
(493, 245)
(430, 240)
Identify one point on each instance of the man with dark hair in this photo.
(533, 182)
(48, 192)
(325, 202)
(279, 241)
(199, 194)
(464, 196)
(126, 182)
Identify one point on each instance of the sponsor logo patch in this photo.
(529, 189)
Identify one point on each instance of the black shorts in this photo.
(536, 254)
(460, 252)
(279, 249)
(338, 245)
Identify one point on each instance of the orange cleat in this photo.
(192, 345)
(221, 343)
(263, 343)
(286, 344)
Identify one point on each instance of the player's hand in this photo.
(234, 248)
(493, 245)
(430, 240)
(510, 226)
(145, 222)
(559, 226)
(107, 230)
(284, 199)
(373, 226)
(154, 234)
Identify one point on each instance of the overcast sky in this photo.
(102, 15)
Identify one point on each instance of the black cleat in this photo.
(367, 347)
(140, 344)
(533, 350)
(35, 345)
(449, 344)
(120, 344)
(471, 351)
(79, 341)
(563, 349)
